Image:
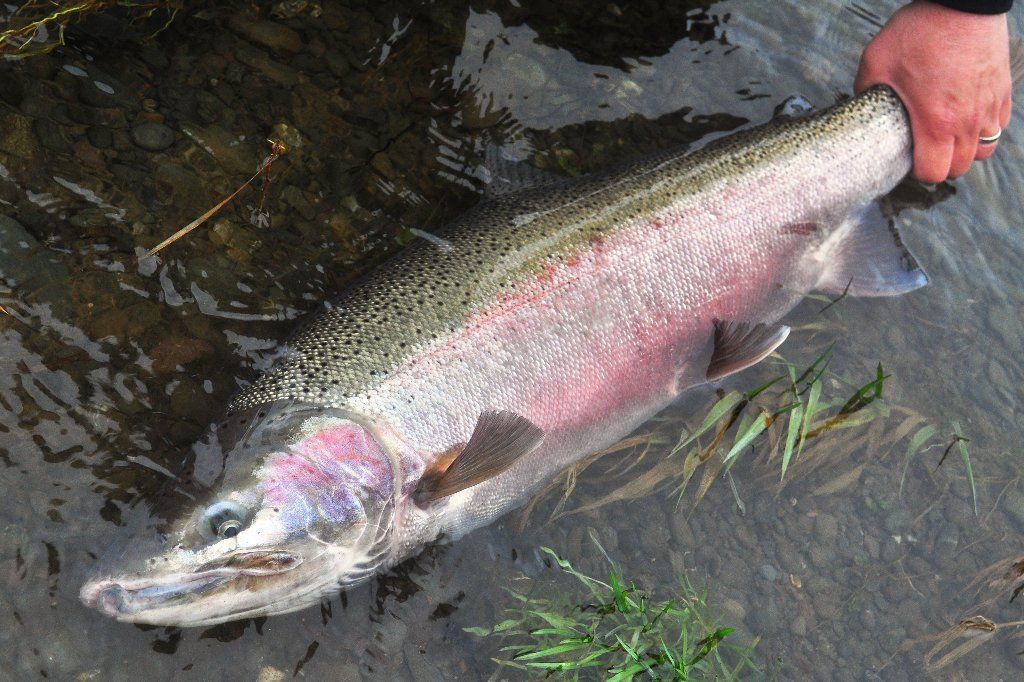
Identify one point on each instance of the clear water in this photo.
(112, 369)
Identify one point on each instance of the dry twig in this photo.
(277, 149)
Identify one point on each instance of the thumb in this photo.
(867, 75)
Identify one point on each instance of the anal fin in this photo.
(499, 439)
(739, 345)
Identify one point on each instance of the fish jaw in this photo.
(269, 568)
(316, 516)
(261, 584)
(191, 598)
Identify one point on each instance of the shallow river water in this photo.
(111, 368)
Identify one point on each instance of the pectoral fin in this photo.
(499, 439)
(739, 345)
(866, 257)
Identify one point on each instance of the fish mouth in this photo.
(144, 598)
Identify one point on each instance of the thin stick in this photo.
(277, 149)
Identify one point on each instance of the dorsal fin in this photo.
(739, 345)
(794, 106)
(504, 173)
(499, 439)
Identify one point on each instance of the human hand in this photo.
(952, 71)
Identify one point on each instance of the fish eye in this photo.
(223, 519)
(229, 528)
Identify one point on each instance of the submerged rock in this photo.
(271, 35)
(152, 136)
(23, 259)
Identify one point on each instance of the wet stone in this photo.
(23, 259)
(51, 135)
(270, 674)
(897, 521)
(152, 136)
(11, 89)
(891, 550)
(1006, 325)
(90, 218)
(235, 154)
(826, 528)
(947, 542)
(998, 375)
(1013, 503)
(100, 137)
(734, 610)
(337, 63)
(681, 530)
(16, 136)
(261, 61)
(767, 618)
(821, 557)
(271, 35)
(177, 351)
(295, 198)
(655, 539)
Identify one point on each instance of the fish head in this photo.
(313, 516)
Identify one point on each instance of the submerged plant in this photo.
(614, 631)
(776, 420)
(38, 26)
(277, 150)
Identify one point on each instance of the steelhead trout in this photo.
(451, 383)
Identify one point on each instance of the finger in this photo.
(964, 151)
(932, 158)
(983, 151)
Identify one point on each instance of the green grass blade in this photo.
(961, 443)
(553, 651)
(744, 439)
(813, 398)
(627, 673)
(720, 409)
(919, 438)
(736, 493)
(710, 643)
(795, 419)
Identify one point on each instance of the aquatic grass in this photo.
(777, 419)
(617, 631)
(913, 447)
(800, 404)
(990, 585)
(39, 26)
(961, 444)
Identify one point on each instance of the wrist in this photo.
(974, 6)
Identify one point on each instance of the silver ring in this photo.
(990, 139)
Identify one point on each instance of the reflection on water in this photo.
(112, 369)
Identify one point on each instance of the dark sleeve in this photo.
(977, 6)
